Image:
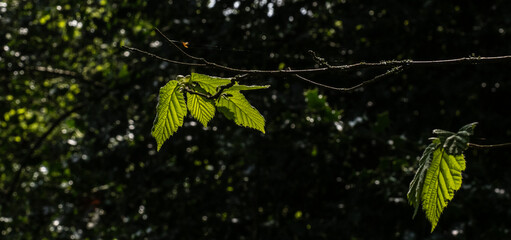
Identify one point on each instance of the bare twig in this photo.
(56, 71)
(319, 60)
(181, 50)
(65, 73)
(394, 70)
(474, 145)
(163, 59)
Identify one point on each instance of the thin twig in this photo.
(319, 60)
(57, 71)
(176, 46)
(474, 145)
(65, 73)
(394, 70)
(163, 59)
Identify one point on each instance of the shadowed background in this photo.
(77, 160)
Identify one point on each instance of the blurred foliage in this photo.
(314, 175)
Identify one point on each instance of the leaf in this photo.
(170, 112)
(201, 108)
(238, 108)
(456, 143)
(416, 186)
(469, 128)
(208, 83)
(443, 178)
(439, 173)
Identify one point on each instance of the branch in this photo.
(333, 68)
(327, 67)
(65, 73)
(474, 145)
(56, 71)
(395, 65)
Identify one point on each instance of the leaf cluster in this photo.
(204, 96)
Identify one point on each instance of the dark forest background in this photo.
(77, 160)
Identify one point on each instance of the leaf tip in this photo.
(433, 226)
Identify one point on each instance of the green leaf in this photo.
(439, 173)
(443, 178)
(208, 83)
(469, 128)
(456, 143)
(201, 108)
(237, 87)
(226, 112)
(416, 186)
(238, 108)
(170, 112)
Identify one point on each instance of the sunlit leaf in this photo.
(201, 108)
(170, 112)
(236, 107)
(439, 173)
(443, 178)
(208, 83)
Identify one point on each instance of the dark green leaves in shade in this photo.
(172, 106)
(439, 173)
(318, 107)
(415, 191)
